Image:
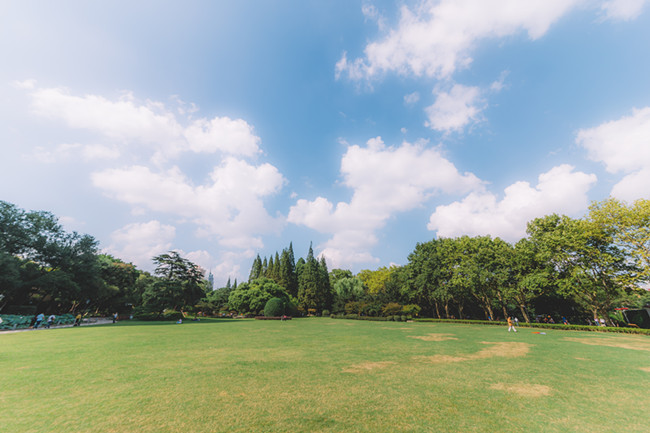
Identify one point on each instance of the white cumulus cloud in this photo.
(623, 145)
(454, 110)
(560, 190)
(436, 37)
(128, 122)
(385, 180)
(229, 206)
(140, 242)
(623, 9)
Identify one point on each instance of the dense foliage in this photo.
(44, 269)
(578, 269)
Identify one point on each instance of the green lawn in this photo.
(321, 375)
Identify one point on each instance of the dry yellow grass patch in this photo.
(523, 389)
(434, 337)
(633, 343)
(403, 329)
(501, 349)
(367, 366)
(646, 369)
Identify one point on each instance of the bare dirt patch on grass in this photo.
(646, 369)
(434, 337)
(620, 342)
(523, 389)
(500, 349)
(368, 366)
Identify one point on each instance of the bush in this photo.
(167, 315)
(391, 309)
(274, 307)
(411, 309)
(325, 313)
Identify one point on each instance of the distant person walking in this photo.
(50, 321)
(114, 317)
(39, 320)
(77, 320)
(511, 326)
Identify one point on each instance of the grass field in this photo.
(321, 375)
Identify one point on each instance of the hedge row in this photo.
(622, 330)
(166, 316)
(12, 321)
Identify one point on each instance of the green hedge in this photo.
(164, 317)
(13, 321)
(622, 330)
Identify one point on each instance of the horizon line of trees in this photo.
(576, 268)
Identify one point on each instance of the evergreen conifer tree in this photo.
(256, 269)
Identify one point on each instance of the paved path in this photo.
(93, 321)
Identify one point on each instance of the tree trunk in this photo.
(437, 309)
(489, 310)
(460, 311)
(447, 310)
(522, 308)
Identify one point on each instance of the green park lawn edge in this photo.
(620, 330)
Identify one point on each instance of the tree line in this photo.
(577, 268)
(46, 269)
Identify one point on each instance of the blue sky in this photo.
(228, 129)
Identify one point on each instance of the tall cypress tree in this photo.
(292, 286)
(324, 289)
(308, 283)
(276, 268)
(256, 269)
(270, 268)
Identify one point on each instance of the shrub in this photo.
(391, 309)
(411, 309)
(325, 313)
(167, 315)
(274, 307)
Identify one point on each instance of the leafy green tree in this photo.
(347, 289)
(119, 289)
(251, 297)
(591, 268)
(429, 276)
(628, 227)
(531, 276)
(339, 274)
(10, 281)
(182, 282)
